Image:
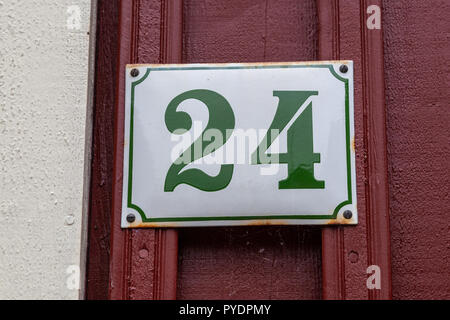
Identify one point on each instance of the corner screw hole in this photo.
(343, 68)
(131, 218)
(134, 73)
(348, 214)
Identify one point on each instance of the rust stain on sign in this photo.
(247, 64)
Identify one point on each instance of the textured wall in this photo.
(417, 69)
(43, 97)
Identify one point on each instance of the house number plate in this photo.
(239, 144)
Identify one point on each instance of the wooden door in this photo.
(242, 262)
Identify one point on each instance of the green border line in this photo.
(240, 218)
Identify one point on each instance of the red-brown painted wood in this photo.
(260, 262)
(140, 265)
(250, 262)
(143, 261)
(348, 251)
(97, 273)
(120, 247)
(417, 55)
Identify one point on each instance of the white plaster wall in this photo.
(43, 104)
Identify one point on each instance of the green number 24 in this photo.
(299, 157)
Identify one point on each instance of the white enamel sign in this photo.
(239, 144)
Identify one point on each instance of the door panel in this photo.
(249, 31)
(249, 262)
(260, 262)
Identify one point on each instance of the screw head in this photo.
(348, 214)
(134, 73)
(343, 68)
(131, 218)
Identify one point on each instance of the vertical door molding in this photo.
(347, 252)
(100, 192)
(143, 261)
(166, 240)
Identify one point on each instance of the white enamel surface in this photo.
(250, 94)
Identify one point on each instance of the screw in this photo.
(343, 68)
(348, 214)
(134, 73)
(131, 217)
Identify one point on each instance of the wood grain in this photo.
(417, 54)
(102, 157)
